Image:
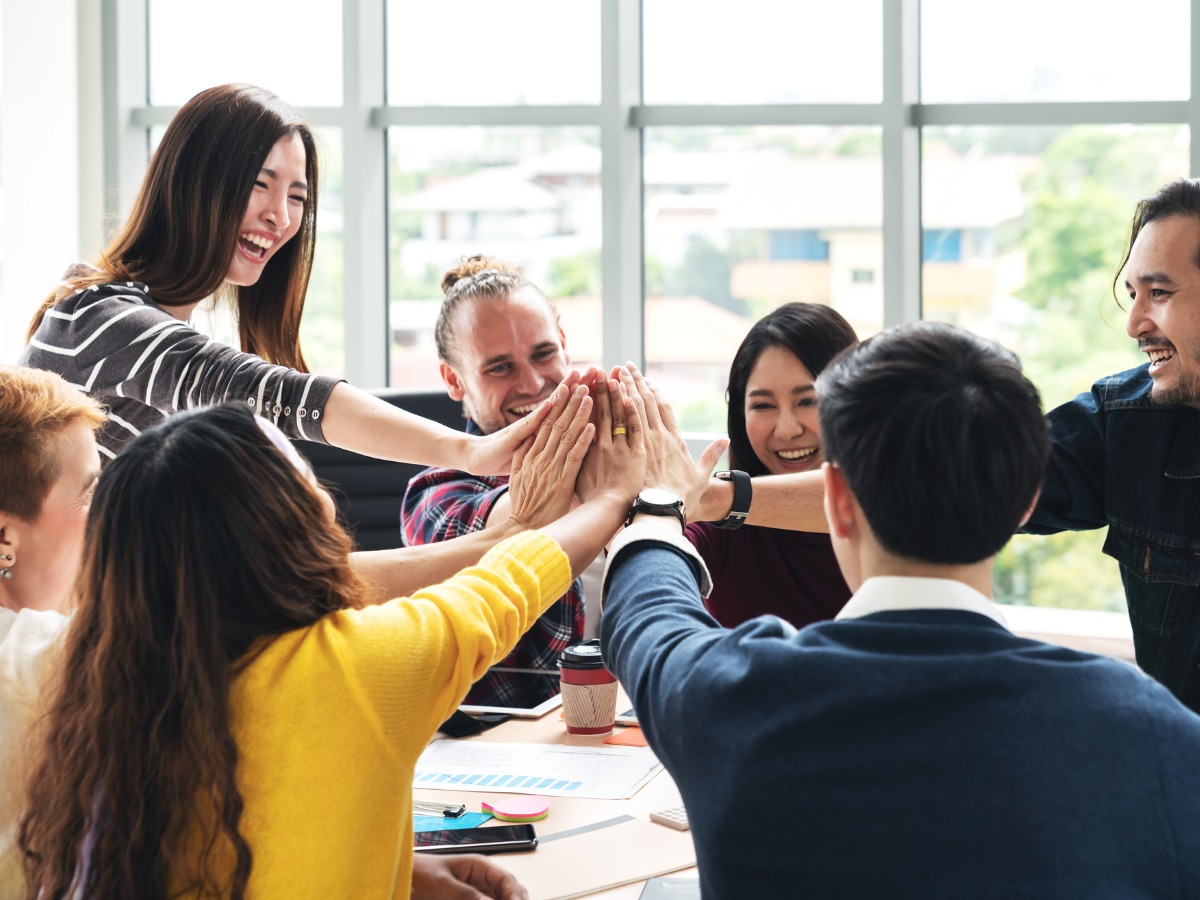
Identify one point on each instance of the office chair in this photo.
(369, 491)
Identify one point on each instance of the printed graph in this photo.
(553, 770)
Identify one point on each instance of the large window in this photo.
(740, 220)
(528, 196)
(669, 170)
(1038, 51)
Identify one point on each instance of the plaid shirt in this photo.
(441, 504)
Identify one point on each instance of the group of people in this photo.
(502, 351)
(206, 692)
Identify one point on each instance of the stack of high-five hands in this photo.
(604, 436)
(601, 438)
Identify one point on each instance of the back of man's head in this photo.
(940, 438)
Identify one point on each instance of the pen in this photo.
(449, 812)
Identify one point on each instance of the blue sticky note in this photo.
(444, 823)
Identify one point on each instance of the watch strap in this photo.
(742, 492)
(654, 509)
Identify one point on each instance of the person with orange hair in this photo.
(48, 470)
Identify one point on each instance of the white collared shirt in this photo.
(895, 592)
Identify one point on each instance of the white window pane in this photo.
(1054, 50)
(527, 196)
(1023, 231)
(739, 221)
(482, 53)
(323, 328)
(293, 49)
(762, 51)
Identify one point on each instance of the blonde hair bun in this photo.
(473, 265)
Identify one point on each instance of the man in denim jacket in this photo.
(1127, 454)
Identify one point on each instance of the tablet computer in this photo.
(537, 692)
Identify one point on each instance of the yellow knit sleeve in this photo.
(413, 659)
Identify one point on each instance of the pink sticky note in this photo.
(518, 808)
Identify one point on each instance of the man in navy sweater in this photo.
(914, 747)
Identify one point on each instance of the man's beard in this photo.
(487, 424)
(1184, 392)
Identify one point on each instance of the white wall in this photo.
(50, 151)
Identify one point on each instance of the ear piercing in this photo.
(7, 572)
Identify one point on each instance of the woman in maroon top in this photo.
(773, 430)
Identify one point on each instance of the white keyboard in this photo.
(676, 818)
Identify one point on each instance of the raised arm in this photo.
(358, 421)
(617, 466)
(792, 502)
(668, 461)
(539, 492)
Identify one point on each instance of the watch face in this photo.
(658, 497)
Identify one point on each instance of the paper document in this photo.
(603, 773)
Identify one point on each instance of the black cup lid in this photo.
(585, 655)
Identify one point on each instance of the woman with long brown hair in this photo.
(232, 720)
(228, 205)
(774, 430)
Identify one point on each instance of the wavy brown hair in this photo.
(200, 547)
(183, 230)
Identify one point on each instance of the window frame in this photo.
(621, 118)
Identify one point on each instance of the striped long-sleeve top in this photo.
(114, 342)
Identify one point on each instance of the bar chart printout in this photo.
(602, 773)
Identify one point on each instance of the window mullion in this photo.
(364, 143)
(622, 272)
(901, 163)
(125, 61)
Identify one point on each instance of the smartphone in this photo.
(496, 839)
(629, 717)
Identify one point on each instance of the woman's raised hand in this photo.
(546, 464)
(493, 454)
(616, 461)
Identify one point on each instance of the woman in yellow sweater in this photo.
(235, 719)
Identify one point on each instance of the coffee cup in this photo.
(589, 689)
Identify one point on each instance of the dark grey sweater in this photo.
(114, 342)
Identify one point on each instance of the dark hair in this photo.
(477, 276)
(1180, 197)
(813, 333)
(181, 235)
(940, 437)
(202, 543)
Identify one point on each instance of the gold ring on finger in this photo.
(620, 429)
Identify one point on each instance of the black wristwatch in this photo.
(657, 502)
(742, 491)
